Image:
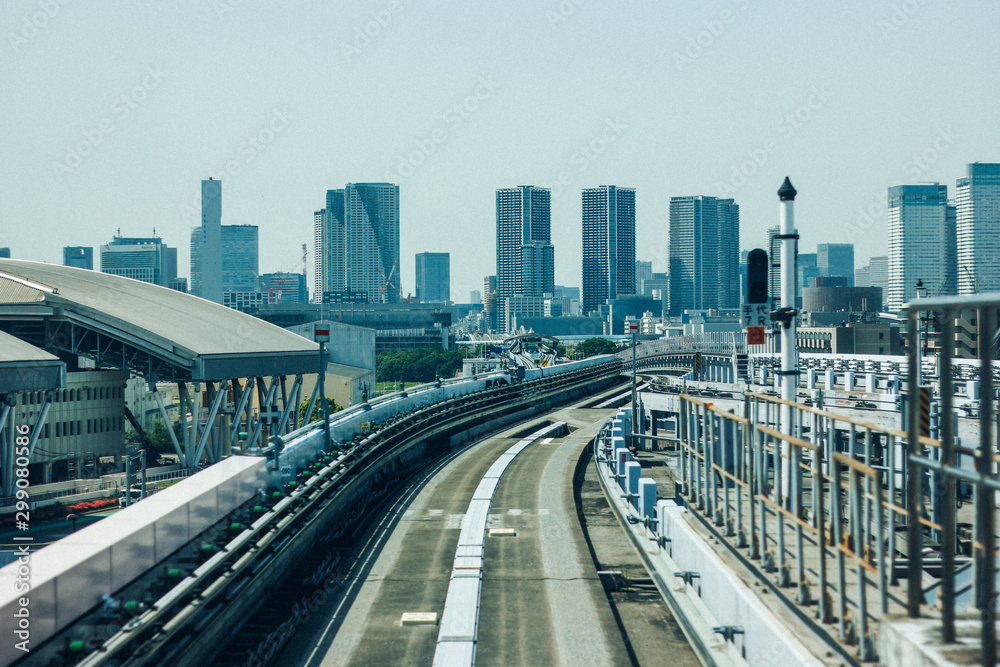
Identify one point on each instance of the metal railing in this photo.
(800, 502)
(838, 505)
(939, 460)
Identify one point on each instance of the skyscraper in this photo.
(643, 273)
(977, 228)
(836, 260)
(878, 269)
(920, 245)
(147, 259)
(357, 244)
(224, 258)
(525, 257)
(433, 277)
(609, 266)
(774, 262)
(81, 257)
(206, 245)
(704, 254)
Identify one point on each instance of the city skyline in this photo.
(148, 118)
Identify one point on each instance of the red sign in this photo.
(633, 327)
(755, 336)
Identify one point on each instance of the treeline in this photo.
(417, 365)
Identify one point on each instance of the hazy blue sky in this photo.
(453, 100)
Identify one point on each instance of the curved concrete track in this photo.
(542, 601)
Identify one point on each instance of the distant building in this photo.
(808, 269)
(704, 253)
(4, 253)
(977, 229)
(490, 304)
(609, 266)
(774, 257)
(433, 277)
(842, 299)
(475, 296)
(836, 260)
(357, 243)
(82, 257)
(878, 272)
(286, 287)
(206, 245)
(398, 326)
(179, 284)
(525, 256)
(643, 272)
(146, 259)
(921, 243)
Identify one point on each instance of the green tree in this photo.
(317, 412)
(417, 365)
(594, 346)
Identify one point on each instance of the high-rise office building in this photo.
(147, 259)
(878, 271)
(490, 302)
(525, 257)
(224, 258)
(286, 287)
(704, 254)
(774, 262)
(977, 228)
(206, 245)
(920, 243)
(240, 258)
(357, 244)
(836, 260)
(807, 268)
(609, 266)
(643, 272)
(433, 277)
(475, 296)
(81, 257)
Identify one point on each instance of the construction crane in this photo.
(388, 280)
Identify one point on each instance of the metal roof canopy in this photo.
(152, 331)
(24, 367)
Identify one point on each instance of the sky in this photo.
(113, 112)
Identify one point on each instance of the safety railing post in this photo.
(914, 589)
(985, 503)
(946, 388)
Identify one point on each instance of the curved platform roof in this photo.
(24, 367)
(150, 330)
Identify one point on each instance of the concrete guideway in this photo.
(542, 601)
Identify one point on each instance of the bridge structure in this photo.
(850, 525)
